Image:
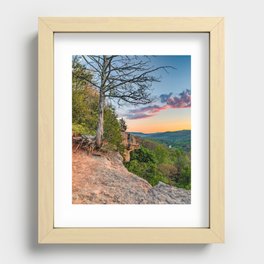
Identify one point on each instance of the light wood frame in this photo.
(47, 233)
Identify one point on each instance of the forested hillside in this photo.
(156, 162)
(178, 139)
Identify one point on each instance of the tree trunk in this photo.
(100, 124)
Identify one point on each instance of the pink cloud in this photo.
(181, 101)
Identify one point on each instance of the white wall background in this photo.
(244, 133)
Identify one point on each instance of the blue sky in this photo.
(169, 114)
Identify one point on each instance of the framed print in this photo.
(131, 130)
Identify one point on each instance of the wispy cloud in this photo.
(183, 100)
(138, 116)
(149, 109)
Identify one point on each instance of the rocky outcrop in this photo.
(130, 143)
(164, 193)
(103, 179)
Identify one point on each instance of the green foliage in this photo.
(80, 75)
(81, 129)
(84, 105)
(84, 110)
(156, 162)
(183, 178)
(112, 130)
(160, 151)
(85, 102)
(144, 164)
(143, 155)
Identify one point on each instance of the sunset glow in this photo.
(171, 108)
(170, 120)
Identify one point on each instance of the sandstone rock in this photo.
(130, 143)
(104, 180)
(165, 194)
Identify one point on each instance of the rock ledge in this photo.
(104, 180)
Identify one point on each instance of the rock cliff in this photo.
(130, 143)
(102, 179)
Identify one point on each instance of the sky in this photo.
(171, 110)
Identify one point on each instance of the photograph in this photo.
(131, 129)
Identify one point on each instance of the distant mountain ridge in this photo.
(178, 139)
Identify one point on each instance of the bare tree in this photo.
(126, 79)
